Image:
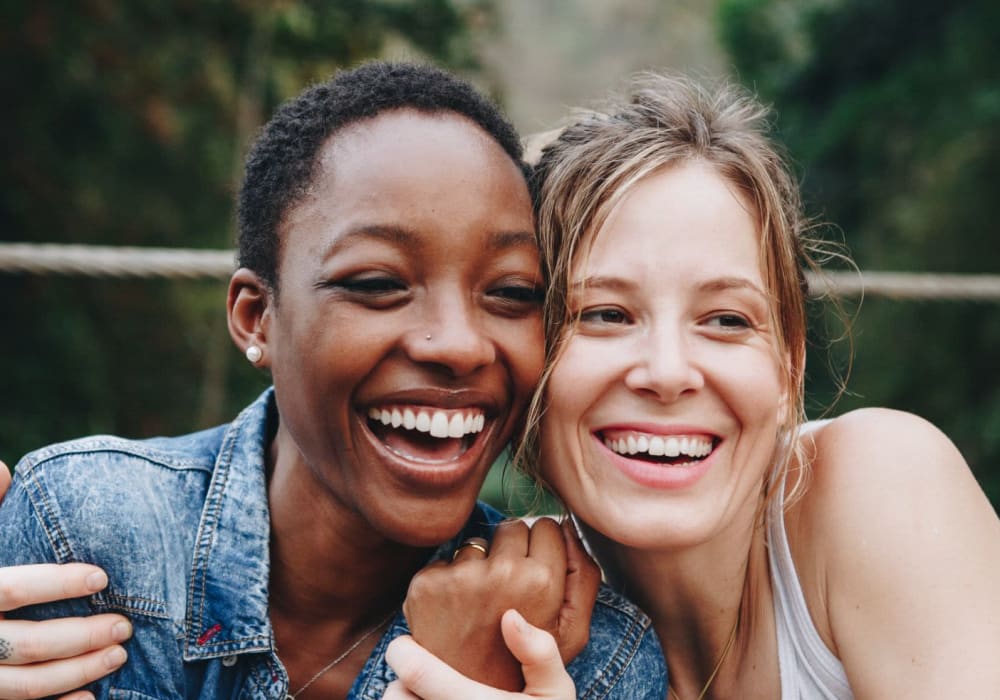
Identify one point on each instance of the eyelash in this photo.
(599, 315)
(742, 322)
(523, 294)
(371, 286)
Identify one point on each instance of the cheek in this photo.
(570, 392)
(753, 385)
(522, 346)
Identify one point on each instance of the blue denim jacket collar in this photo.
(227, 609)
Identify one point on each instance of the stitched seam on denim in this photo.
(150, 607)
(111, 445)
(207, 528)
(618, 663)
(126, 693)
(41, 505)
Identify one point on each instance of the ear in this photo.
(249, 306)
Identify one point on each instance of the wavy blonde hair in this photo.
(664, 121)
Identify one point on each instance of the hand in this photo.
(422, 676)
(454, 608)
(39, 659)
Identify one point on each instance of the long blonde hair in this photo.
(663, 121)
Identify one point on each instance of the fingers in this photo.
(472, 548)
(23, 642)
(510, 539)
(4, 479)
(44, 583)
(397, 691)
(547, 544)
(583, 578)
(423, 674)
(542, 666)
(52, 677)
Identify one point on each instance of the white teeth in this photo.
(689, 445)
(423, 422)
(439, 423)
(672, 447)
(656, 446)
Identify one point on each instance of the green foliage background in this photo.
(892, 111)
(126, 123)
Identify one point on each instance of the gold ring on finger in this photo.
(472, 543)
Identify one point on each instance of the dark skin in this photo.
(454, 609)
(417, 225)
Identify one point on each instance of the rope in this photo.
(107, 261)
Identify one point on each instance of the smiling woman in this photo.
(389, 283)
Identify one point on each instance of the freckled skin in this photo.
(676, 335)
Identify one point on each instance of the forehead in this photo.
(682, 216)
(438, 175)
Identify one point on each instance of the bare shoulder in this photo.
(890, 467)
(897, 541)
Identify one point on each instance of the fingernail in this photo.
(519, 621)
(97, 581)
(115, 657)
(121, 631)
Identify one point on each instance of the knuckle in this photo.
(11, 595)
(25, 687)
(30, 649)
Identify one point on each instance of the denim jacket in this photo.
(181, 526)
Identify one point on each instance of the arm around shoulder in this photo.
(909, 549)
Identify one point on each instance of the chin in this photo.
(429, 524)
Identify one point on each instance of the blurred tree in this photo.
(892, 111)
(126, 124)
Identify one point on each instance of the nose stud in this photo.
(427, 337)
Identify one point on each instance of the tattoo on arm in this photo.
(6, 650)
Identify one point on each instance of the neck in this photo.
(694, 596)
(327, 562)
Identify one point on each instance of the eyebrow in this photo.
(621, 284)
(724, 284)
(406, 239)
(614, 284)
(395, 235)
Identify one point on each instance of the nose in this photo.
(664, 366)
(452, 336)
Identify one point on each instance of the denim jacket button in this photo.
(229, 661)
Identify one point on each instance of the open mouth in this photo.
(672, 450)
(425, 434)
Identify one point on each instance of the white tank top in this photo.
(809, 670)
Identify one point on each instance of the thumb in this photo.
(4, 479)
(542, 666)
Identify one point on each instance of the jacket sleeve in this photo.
(623, 659)
(25, 539)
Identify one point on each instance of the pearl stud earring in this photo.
(254, 354)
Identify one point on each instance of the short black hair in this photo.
(282, 162)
